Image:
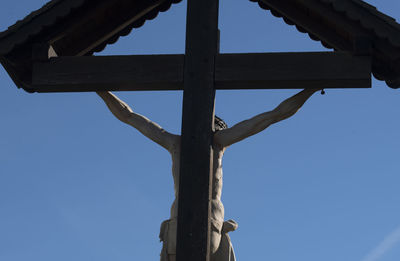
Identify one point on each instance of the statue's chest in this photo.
(216, 169)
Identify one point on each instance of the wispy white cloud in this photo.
(387, 243)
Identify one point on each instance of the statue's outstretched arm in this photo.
(148, 128)
(260, 122)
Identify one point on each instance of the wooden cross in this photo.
(199, 73)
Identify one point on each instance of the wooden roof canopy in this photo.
(83, 27)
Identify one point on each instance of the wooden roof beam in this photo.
(84, 37)
(298, 13)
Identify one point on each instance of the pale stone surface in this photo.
(221, 247)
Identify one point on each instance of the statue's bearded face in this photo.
(219, 124)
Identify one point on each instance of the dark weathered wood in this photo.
(112, 17)
(233, 71)
(295, 11)
(292, 71)
(84, 27)
(193, 241)
(115, 73)
(40, 52)
(362, 46)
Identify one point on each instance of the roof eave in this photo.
(67, 30)
(340, 25)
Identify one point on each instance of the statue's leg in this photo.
(215, 235)
(225, 250)
(168, 237)
(215, 240)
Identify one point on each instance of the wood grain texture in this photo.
(232, 71)
(114, 73)
(193, 242)
(292, 71)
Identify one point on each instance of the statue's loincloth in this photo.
(224, 252)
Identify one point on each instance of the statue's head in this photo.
(219, 124)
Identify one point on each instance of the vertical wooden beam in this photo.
(197, 119)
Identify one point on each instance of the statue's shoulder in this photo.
(175, 144)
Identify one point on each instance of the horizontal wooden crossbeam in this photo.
(292, 71)
(232, 71)
(116, 73)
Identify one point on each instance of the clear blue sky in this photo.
(76, 184)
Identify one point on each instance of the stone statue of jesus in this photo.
(220, 244)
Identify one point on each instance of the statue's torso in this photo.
(217, 209)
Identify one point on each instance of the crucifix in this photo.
(199, 72)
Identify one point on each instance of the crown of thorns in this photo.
(219, 124)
